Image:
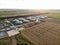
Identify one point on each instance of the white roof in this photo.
(12, 33)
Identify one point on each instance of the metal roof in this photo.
(3, 35)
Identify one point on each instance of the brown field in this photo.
(46, 33)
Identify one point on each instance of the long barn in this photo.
(46, 33)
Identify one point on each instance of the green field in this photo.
(11, 13)
(54, 15)
(22, 41)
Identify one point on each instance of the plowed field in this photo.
(46, 33)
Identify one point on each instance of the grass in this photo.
(20, 39)
(54, 15)
(10, 13)
(5, 41)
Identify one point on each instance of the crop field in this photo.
(14, 13)
(47, 33)
(54, 15)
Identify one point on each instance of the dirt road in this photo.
(13, 41)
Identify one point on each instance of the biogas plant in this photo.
(17, 24)
(12, 26)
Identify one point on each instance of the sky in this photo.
(29, 4)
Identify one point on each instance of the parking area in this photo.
(18, 22)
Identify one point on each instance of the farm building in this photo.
(46, 33)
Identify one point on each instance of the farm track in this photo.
(46, 33)
(13, 41)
